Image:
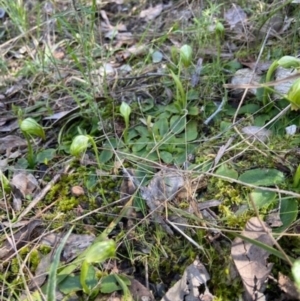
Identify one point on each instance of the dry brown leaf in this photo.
(283, 88)
(258, 67)
(26, 183)
(256, 133)
(235, 17)
(245, 76)
(273, 219)
(23, 184)
(127, 188)
(288, 286)
(11, 142)
(152, 12)
(75, 244)
(23, 236)
(139, 291)
(188, 287)
(250, 260)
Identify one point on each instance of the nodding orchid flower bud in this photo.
(30, 127)
(79, 145)
(288, 61)
(293, 96)
(186, 55)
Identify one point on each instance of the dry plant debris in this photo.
(187, 175)
(251, 260)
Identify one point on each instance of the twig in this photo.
(219, 108)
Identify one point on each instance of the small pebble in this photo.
(77, 191)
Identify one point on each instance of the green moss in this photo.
(14, 268)
(44, 249)
(67, 204)
(34, 259)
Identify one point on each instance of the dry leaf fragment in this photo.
(273, 219)
(245, 76)
(283, 88)
(251, 260)
(288, 286)
(152, 12)
(235, 16)
(140, 292)
(23, 184)
(10, 142)
(188, 287)
(256, 133)
(26, 234)
(26, 183)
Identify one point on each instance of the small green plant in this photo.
(296, 274)
(125, 111)
(96, 253)
(185, 60)
(30, 127)
(80, 144)
(292, 96)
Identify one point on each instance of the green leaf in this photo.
(46, 155)
(162, 125)
(262, 198)
(296, 177)
(227, 171)
(172, 108)
(148, 104)
(4, 183)
(166, 157)
(177, 124)
(70, 284)
(288, 214)
(191, 130)
(142, 130)
(52, 280)
(249, 108)
(262, 177)
(140, 144)
(132, 133)
(192, 95)
(261, 119)
(194, 111)
(224, 125)
(106, 155)
(109, 284)
(180, 157)
(181, 96)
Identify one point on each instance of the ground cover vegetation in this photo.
(149, 150)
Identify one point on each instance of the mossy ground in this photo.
(74, 82)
